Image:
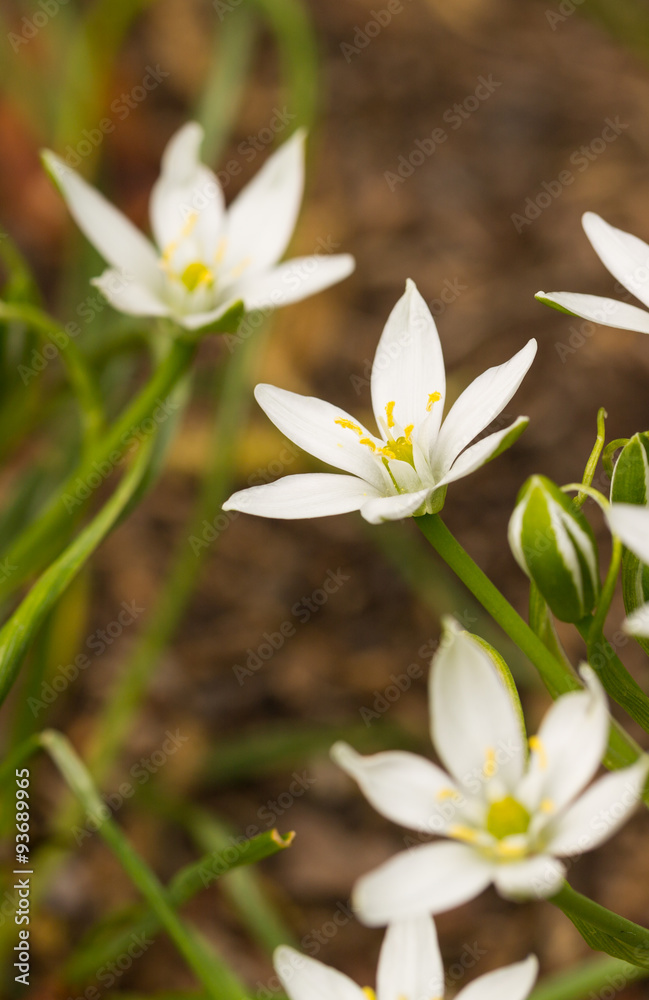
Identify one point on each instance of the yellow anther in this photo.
(511, 851)
(433, 398)
(220, 251)
(186, 231)
(536, 746)
(408, 432)
(463, 833)
(240, 268)
(389, 412)
(350, 425)
(369, 444)
(448, 793)
(369, 993)
(547, 806)
(491, 764)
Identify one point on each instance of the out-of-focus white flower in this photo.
(205, 258)
(404, 470)
(410, 968)
(627, 258)
(509, 818)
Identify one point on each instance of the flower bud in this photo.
(554, 545)
(630, 482)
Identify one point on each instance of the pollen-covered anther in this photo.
(448, 793)
(490, 767)
(536, 746)
(389, 412)
(369, 993)
(434, 397)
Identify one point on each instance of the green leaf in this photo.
(604, 930)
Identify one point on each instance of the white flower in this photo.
(410, 968)
(404, 470)
(630, 522)
(627, 258)
(206, 258)
(509, 817)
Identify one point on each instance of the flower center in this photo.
(195, 275)
(506, 818)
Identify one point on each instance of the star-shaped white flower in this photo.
(627, 258)
(205, 258)
(404, 469)
(630, 522)
(509, 818)
(410, 968)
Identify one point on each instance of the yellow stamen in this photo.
(448, 793)
(491, 764)
(511, 851)
(463, 833)
(389, 412)
(547, 806)
(433, 398)
(350, 425)
(369, 993)
(171, 248)
(369, 444)
(240, 268)
(536, 746)
(220, 251)
(408, 432)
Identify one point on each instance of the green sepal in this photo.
(630, 482)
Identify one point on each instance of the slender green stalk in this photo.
(216, 978)
(298, 54)
(54, 522)
(591, 464)
(18, 632)
(81, 378)
(187, 883)
(558, 678)
(604, 929)
(587, 978)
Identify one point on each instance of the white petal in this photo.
(600, 811)
(394, 508)
(196, 321)
(314, 494)
(532, 878)
(119, 242)
(484, 451)
(261, 219)
(307, 979)
(128, 295)
(187, 197)
(624, 255)
(630, 522)
(427, 879)
(514, 982)
(293, 281)
(479, 404)
(409, 367)
(638, 622)
(311, 424)
(575, 729)
(474, 724)
(403, 787)
(410, 964)
(606, 312)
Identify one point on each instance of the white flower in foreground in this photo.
(508, 817)
(402, 471)
(410, 968)
(206, 258)
(627, 258)
(630, 522)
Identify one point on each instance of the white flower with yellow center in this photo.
(627, 258)
(410, 968)
(509, 817)
(206, 258)
(404, 470)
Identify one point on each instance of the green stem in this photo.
(591, 464)
(556, 676)
(581, 909)
(27, 552)
(589, 977)
(218, 981)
